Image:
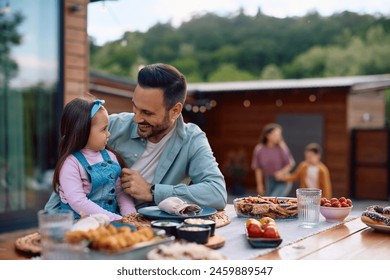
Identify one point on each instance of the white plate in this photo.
(381, 228)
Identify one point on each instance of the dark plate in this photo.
(154, 213)
(264, 242)
(119, 224)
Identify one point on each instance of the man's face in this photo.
(153, 120)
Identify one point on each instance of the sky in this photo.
(108, 20)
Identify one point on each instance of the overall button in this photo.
(109, 202)
(104, 164)
(112, 176)
(110, 161)
(89, 167)
(112, 191)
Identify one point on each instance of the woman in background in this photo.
(272, 161)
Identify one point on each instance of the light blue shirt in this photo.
(187, 158)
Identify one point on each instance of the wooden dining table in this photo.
(350, 240)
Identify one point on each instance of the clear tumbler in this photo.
(309, 201)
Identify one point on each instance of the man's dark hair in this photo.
(314, 147)
(167, 78)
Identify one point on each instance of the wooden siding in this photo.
(366, 110)
(116, 93)
(371, 164)
(230, 125)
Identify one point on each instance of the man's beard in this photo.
(146, 130)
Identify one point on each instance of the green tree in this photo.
(271, 72)
(8, 37)
(229, 72)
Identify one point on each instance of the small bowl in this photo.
(170, 226)
(202, 223)
(335, 214)
(193, 233)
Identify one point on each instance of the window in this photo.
(29, 92)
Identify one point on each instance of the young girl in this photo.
(87, 174)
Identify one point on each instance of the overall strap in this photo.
(106, 156)
(81, 158)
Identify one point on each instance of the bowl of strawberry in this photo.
(335, 209)
(262, 233)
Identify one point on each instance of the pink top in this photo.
(270, 160)
(74, 187)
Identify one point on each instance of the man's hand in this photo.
(135, 185)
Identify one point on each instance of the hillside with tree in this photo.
(211, 48)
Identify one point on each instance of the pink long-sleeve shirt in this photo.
(74, 187)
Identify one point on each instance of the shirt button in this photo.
(112, 191)
(109, 202)
(89, 167)
(104, 164)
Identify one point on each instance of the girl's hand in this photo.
(260, 189)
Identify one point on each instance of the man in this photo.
(166, 157)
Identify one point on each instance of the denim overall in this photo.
(102, 176)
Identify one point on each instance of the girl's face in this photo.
(275, 136)
(99, 134)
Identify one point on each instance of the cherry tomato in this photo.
(323, 201)
(328, 204)
(333, 199)
(349, 202)
(344, 204)
(336, 204)
(342, 199)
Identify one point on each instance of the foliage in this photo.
(9, 37)
(240, 47)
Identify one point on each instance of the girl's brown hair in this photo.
(74, 131)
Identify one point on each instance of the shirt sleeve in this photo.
(208, 184)
(256, 162)
(288, 158)
(297, 175)
(72, 191)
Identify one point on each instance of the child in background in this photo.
(87, 174)
(312, 173)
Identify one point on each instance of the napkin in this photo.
(91, 222)
(178, 207)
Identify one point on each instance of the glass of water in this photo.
(52, 227)
(309, 201)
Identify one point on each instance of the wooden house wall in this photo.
(230, 125)
(366, 109)
(116, 94)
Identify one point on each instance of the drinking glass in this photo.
(309, 201)
(52, 227)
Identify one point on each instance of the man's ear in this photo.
(176, 110)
